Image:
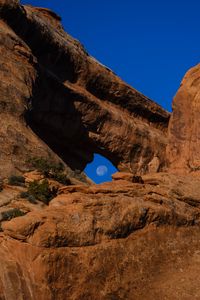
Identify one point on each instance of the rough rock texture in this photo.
(17, 76)
(135, 238)
(184, 128)
(108, 241)
(73, 103)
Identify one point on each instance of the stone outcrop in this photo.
(17, 75)
(73, 104)
(183, 150)
(136, 237)
(108, 241)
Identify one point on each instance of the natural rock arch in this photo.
(73, 103)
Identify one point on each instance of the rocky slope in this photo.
(62, 237)
(118, 240)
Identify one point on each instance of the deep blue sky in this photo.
(100, 170)
(149, 44)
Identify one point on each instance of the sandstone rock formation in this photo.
(135, 238)
(184, 128)
(75, 105)
(108, 241)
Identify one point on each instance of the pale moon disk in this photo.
(101, 170)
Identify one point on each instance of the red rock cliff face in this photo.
(184, 139)
(134, 238)
(73, 103)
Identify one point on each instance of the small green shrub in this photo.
(14, 213)
(49, 169)
(42, 191)
(16, 180)
(62, 178)
(24, 194)
(40, 164)
(29, 197)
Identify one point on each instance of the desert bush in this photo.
(14, 213)
(40, 164)
(42, 191)
(62, 178)
(49, 169)
(31, 199)
(28, 196)
(16, 180)
(24, 194)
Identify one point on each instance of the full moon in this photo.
(101, 170)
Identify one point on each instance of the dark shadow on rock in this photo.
(53, 117)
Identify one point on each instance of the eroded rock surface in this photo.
(135, 238)
(73, 103)
(184, 128)
(119, 240)
(17, 75)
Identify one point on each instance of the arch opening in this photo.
(100, 169)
